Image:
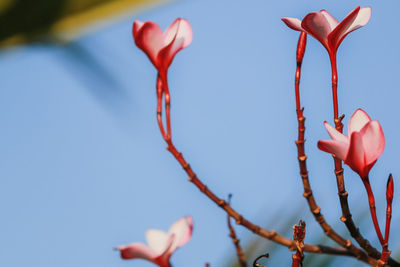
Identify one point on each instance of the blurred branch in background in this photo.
(27, 21)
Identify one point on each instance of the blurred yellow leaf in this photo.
(24, 21)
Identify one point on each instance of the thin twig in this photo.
(255, 262)
(232, 234)
(299, 232)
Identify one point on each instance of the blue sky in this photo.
(83, 167)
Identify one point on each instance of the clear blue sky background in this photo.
(83, 167)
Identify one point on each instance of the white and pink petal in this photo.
(357, 121)
(293, 23)
(181, 33)
(373, 141)
(354, 20)
(137, 251)
(158, 240)
(317, 25)
(182, 229)
(137, 24)
(338, 148)
(355, 158)
(335, 134)
(330, 19)
(361, 20)
(149, 38)
(185, 32)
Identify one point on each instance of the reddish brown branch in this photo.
(302, 157)
(349, 249)
(308, 194)
(271, 235)
(346, 214)
(235, 240)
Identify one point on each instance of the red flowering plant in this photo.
(360, 150)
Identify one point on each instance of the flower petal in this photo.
(354, 20)
(149, 38)
(373, 141)
(137, 24)
(361, 20)
(331, 20)
(185, 31)
(182, 38)
(163, 259)
(356, 155)
(157, 240)
(293, 23)
(171, 32)
(335, 134)
(338, 148)
(317, 25)
(180, 28)
(137, 250)
(182, 229)
(358, 120)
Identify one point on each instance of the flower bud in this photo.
(389, 189)
(301, 47)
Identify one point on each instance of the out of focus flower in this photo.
(326, 29)
(361, 148)
(161, 47)
(161, 245)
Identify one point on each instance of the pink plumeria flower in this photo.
(361, 148)
(161, 47)
(326, 29)
(161, 245)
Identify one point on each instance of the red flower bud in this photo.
(389, 190)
